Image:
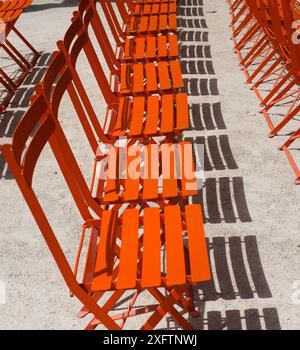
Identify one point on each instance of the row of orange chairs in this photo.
(10, 12)
(142, 234)
(266, 39)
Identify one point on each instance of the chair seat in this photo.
(144, 173)
(140, 78)
(160, 23)
(150, 116)
(141, 260)
(150, 48)
(154, 8)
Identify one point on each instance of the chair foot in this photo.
(194, 314)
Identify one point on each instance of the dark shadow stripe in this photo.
(226, 200)
(252, 319)
(227, 153)
(222, 270)
(233, 320)
(271, 319)
(239, 269)
(255, 265)
(212, 201)
(214, 320)
(214, 153)
(218, 116)
(240, 199)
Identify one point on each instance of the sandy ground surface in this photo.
(249, 199)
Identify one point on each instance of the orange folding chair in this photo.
(116, 260)
(10, 12)
(274, 23)
(290, 52)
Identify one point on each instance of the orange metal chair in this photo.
(113, 236)
(10, 12)
(273, 22)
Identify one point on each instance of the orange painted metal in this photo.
(124, 244)
(10, 11)
(271, 30)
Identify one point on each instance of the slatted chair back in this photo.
(92, 21)
(57, 82)
(76, 43)
(22, 159)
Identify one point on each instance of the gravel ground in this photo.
(249, 199)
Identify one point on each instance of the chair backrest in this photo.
(58, 81)
(111, 14)
(75, 43)
(37, 128)
(88, 12)
(41, 118)
(122, 10)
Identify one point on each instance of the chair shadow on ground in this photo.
(18, 105)
(191, 3)
(201, 87)
(223, 200)
(236, 266)
(237, 275)
(217, 152)
(234, 320)
(206, 116)
(50, 5)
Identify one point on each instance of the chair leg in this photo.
(287, 144)
(254, 49)
(166, 306)
(285, 149)
(21, 36)
(261, 66)
(14, 57)
(290, 115)
(260, 49)
(269, 72)
(281, 96)
(17, 53)
(275, 90)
